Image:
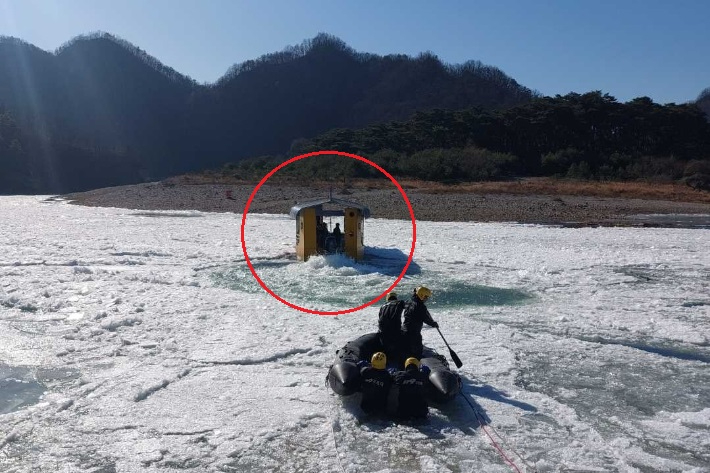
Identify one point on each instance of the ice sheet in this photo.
(587, 348)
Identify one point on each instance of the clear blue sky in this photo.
(627, 48)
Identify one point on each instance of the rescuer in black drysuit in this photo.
(411, 399)
(321, 232)
(389, 327)
(375, 386)
(415, 315)
(338, 235)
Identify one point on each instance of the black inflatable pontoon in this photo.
(344, 375)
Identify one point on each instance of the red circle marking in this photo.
(309, 155)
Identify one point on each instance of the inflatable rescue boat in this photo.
(344, 376)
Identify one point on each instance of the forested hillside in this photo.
(14, 175)
(588, 135)
(100, 111)
(32, 163)
(103, 96)
(704, 102)
(263, 106)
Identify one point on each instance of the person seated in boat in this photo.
(321, 232)
(376, 382)
(415, 316)
(338, 234)
(389, 327)
(411, 400)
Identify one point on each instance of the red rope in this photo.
(482, 421)
(500, 450)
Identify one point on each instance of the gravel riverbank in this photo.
(387, 202)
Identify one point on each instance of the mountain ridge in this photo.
(101, 111)
(99, 93)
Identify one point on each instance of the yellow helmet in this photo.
(379, 360)
(423, 293)
(392, 296)
(411, 361)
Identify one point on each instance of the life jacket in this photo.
(375, 386)
(411, 401)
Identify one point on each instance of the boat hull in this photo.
(344, 375)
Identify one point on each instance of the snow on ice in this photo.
(139, 341)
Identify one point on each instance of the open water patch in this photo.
(453, 294)
(238, 278)
(321, 283)
(18, 388)
(338, 281)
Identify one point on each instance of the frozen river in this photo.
(139, 341)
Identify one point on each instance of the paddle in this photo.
(454, 356)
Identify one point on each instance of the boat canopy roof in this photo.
(318, 204)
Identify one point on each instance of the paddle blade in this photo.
(455, 357)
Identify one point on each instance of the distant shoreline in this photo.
(533, 201)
